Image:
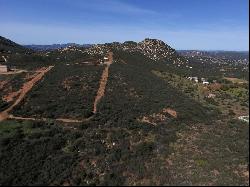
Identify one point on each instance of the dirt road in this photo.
(103, 82)
(65, 120)
(24, 90)
(13, 71)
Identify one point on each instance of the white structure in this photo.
(205, 82)
(4, 68)
(244, 118)
(195, 79)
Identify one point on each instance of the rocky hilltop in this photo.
(155, 49)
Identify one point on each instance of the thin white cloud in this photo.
(114, 6)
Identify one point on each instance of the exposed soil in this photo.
(156, 118)
(170, 111)
(235, 80)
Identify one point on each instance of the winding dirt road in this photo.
(24, 90)
(65, 120)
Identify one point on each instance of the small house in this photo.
(4, 68)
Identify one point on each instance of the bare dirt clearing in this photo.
(236, 80)
(156, 118)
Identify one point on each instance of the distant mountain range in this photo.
(54, 46)
(232, 55)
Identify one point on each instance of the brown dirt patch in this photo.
(170, 111)
(156, 118)
(215, 86)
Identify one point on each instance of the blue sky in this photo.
(183, 24)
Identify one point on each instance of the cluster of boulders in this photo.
(98, 49)
(154, 49)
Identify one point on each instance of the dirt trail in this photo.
(69, 120)
(10, 116)
(13, 71)
(103, 82)
(24, 90)
(65, 120)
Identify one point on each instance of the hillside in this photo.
(122, 114)
(8, 46)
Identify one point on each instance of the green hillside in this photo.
(8, 46)
(152, 125)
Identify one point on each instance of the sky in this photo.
(183, 24)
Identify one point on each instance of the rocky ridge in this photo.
(155, 49)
